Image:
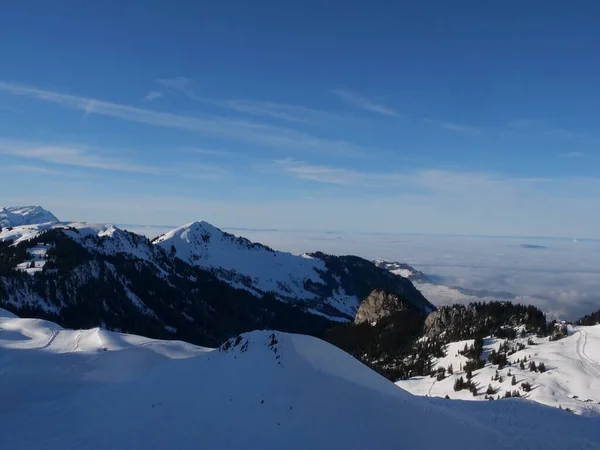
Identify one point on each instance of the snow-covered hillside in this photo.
(94, 389)
(84, 275)
(101, 238)
(571, 378)
(201, 244)
(12, 216)
(327, 285)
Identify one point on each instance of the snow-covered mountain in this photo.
(13, 216)
(264, 269)
(84, 275)
(441, 294)
(570, 377)
(329, 285)
(94, 389)
(195, 283)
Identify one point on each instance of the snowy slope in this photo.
(326, 285)
(571, 380)
(12, 216)
(103, 238)
(201, 244)
(92, 389)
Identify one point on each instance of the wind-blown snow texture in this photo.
(93, 389)
(571, 379)
(13, 216)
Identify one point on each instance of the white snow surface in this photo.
(571, 380)
(36, 259)
(12, 216)
(94, 389)
(118, 240)
(201, 244)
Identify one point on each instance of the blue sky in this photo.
(464, 118)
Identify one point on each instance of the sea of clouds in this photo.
(561, 276)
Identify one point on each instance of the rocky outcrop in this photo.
(380, 304)
(500, 319)
(445, 319)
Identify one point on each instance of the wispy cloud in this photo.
(574, 155)
(278, 111)
(271, 110)
(423, 181)
(153, 95)
(549, 127)
(206, 151)
(176, 83)
(528, 123)
(364, 103)
(204, 172)
(30, 169)
(330, 175)
(234, 130)
(452, 126)
(69, 155)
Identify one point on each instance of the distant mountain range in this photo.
(195, 282)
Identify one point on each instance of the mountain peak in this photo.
(13, 216)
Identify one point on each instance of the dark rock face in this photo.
(494, 318)
(379, 304)
(359, 277)
(445, 319)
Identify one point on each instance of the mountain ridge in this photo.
(12, 216)
(83, 275)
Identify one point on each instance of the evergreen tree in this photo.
(514, 380)
(450, 370)
(459, 384)
(507, 394)
(542, 367)
(473, 390)
(522, 365)
(469, 374)
(532, 367)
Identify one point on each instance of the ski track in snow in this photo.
(571, 379)
(588, 364)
